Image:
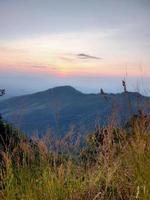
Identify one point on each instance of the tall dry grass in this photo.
(120, 170)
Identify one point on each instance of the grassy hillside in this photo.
(113, 165)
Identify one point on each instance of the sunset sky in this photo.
(88, 44)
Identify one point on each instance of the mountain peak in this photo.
(64, 89)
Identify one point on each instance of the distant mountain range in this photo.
(63, 108)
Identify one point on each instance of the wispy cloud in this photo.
(39, 66)
(80, 56)
(46, 67)
(67, 58)
(87, 56)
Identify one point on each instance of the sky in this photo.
(88, 44)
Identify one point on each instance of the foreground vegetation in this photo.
(113, 165)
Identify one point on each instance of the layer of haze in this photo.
(88, 44)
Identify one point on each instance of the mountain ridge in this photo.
(58, 88)
(61, 107)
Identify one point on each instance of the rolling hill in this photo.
(62, 108)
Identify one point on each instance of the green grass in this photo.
(121, 171)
